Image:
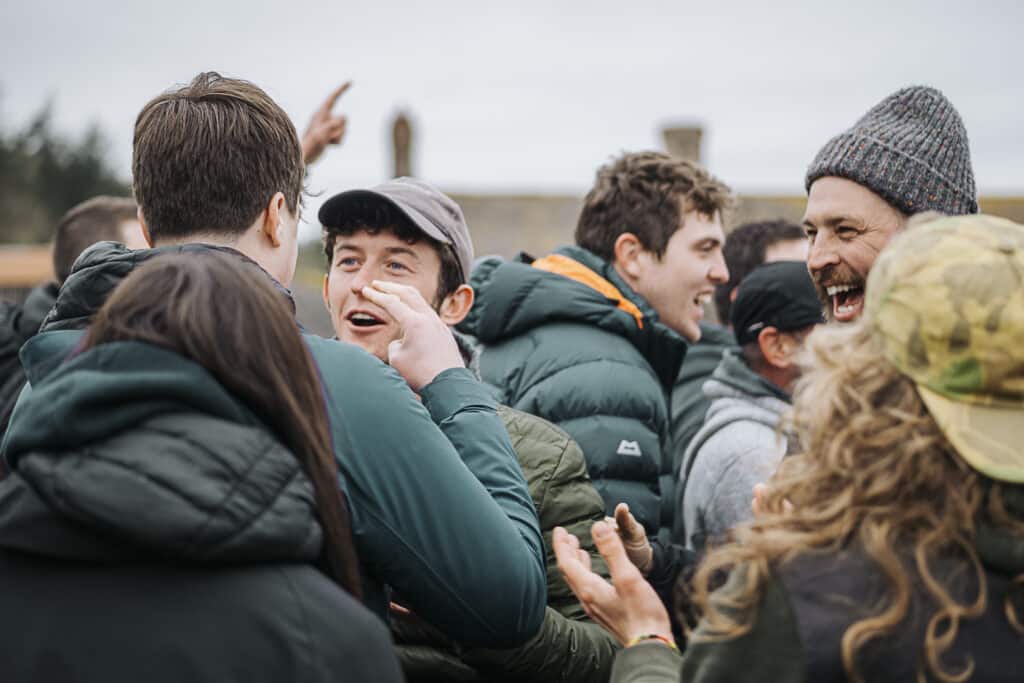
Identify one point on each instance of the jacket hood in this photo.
(737, 394)
(37, 305)
(733, 378)
(19, 323)
(129, 451)
(101, 268)
(514, 297)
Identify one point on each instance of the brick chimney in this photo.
(683, 141)
(401, 138)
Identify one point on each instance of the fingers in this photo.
(571, 564)
(336, 130)
(592, 590)
(390, 302)
(329, 103)
(626, 522)
(757, 503)
(408, 295)
(614, 553)
(566, 546)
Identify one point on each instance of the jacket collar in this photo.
(102, 267)
(513, 297)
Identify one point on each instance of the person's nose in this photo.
(822, 253)
(360, 279)
(719, 273)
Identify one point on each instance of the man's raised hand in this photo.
(628, 607)
(324, 128)
(426, 347)
(634, 538)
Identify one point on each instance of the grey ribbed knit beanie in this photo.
(910, 149)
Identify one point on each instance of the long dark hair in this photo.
(225, 315)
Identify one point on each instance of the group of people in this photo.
(542, 469)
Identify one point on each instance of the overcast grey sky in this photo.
(533, 96)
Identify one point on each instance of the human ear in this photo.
(327, 285)
(145, 228)
(272, 223)
(628, 252)
(773, 347)
(456, 306)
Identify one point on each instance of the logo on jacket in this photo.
(629, 448)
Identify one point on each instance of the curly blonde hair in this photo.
(875, 473)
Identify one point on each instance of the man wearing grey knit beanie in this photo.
(908, 154)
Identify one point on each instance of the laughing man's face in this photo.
(847, 226)
(361, 258)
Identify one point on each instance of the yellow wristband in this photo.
(653, 636)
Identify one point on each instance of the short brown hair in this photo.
(207, 158)
(645, 193)
(92, 221)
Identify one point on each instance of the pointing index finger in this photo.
(329, 103)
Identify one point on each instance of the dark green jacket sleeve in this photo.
(446, 522)
(646, 663)
(563, 651)
(568, 648)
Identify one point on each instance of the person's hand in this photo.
(425, 347)
(324, 128)
(758, 505)
(627, 608)
(634, 538)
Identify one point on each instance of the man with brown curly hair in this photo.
(591, 336)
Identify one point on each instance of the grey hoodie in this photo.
(737, 447)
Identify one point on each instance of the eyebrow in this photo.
(833, 221)
(342, 246)
(402, 250)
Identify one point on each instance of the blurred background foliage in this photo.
(43, 173)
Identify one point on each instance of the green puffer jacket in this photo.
(441, 513)
(151, 528)
(565, 338)
(569, 647)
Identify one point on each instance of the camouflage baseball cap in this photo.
(947, 299)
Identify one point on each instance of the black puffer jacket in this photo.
(18, 324)
(152, 530)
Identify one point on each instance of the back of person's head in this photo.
(646, 194)
(225, 315)
(746, 248)
(776, 307)
(94, 220)
(910, 420)
(209, 156)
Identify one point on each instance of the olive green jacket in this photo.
(569, 647)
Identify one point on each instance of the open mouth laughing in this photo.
(847, 301)
(364, 320)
